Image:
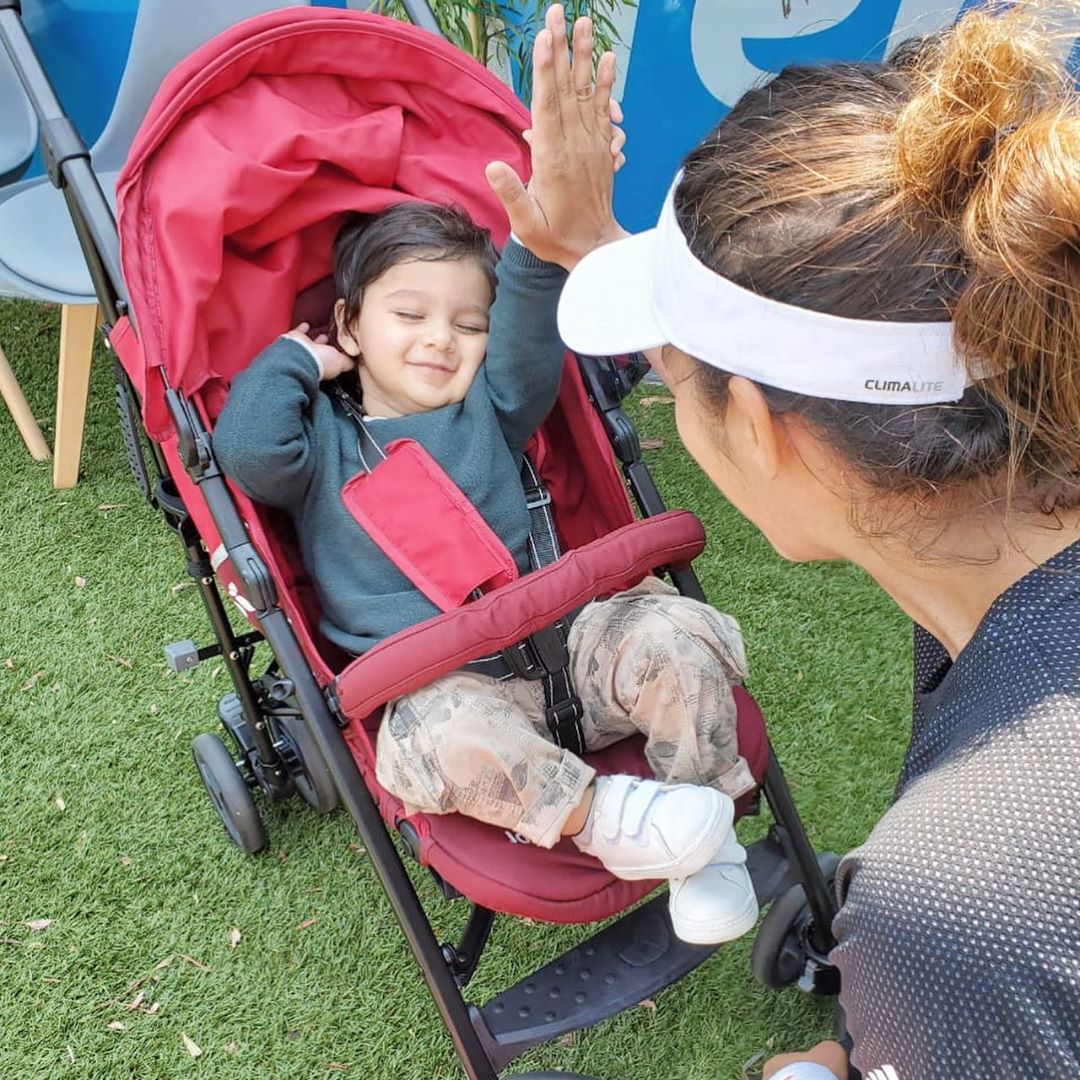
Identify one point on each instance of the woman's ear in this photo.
(346, 340)
(750, 425)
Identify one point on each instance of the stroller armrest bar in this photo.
(417, 656)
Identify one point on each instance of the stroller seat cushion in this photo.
(502, 871)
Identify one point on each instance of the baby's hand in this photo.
(332, 362)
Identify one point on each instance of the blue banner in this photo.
(689, 62)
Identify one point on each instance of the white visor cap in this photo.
(650, 290)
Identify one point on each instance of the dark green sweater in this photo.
(288, 444)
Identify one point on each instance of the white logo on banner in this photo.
(719, 27)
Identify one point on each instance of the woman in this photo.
(866, 287)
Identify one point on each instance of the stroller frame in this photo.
(638, 952)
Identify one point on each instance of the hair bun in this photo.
(974, 87)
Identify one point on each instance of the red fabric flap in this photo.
(416, 657)
(424, 524)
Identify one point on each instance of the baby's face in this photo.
(421, 335)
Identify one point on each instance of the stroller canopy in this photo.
(253, 148)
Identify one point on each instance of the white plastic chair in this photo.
(40, 257)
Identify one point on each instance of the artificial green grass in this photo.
(105, 829)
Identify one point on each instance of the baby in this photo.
(440, 341)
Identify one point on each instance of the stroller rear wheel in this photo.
(229, 793)
(782, 953)
(307, 766)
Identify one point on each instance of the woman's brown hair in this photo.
(942, 184)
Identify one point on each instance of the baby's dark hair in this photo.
(367, 245)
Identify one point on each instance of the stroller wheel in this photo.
(308, 767)
(781, 954)
(229, 793)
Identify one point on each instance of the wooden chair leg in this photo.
(78, 324)
(13, 397)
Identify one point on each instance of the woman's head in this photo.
(942, 185)
(414, 286)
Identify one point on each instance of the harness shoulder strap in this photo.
(544, 654)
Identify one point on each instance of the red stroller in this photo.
(253, 149)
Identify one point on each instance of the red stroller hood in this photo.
(252, 149)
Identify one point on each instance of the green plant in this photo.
(492, 31)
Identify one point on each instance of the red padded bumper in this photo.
(418, 656)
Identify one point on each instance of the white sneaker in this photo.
(717, 903)
(641, 829)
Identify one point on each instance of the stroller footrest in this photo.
(623, 964)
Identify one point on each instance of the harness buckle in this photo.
(537, 497)
(564, 718)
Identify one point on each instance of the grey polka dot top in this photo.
(959, 931)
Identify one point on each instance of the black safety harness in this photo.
(544, 653)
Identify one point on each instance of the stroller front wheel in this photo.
(782, 953)
(229, 793)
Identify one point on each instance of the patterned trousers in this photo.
(647, 660)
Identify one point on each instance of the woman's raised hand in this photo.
(565, 211)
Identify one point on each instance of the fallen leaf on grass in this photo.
(9, 663)
(191, 1046)
(120, 660)
(106, 507)
(59, 804)
(752, 1063)
(567, 1039)
(231, 1048)
(180, 585)
(125, 861)
(132, 1005)
(11, 941)
(651, 444)
(116, 1025)
(71, 1055)
(28, 685)
(234, 937)
(358, 849)
(153, 710)
(195, 963)
(137, 983)
(337, 1066)
(38, 924)
(80, 582)
(152, 1008)
(657, 399)
(306, 923)
(647, 1003)
(4, 858)
(50, 982)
